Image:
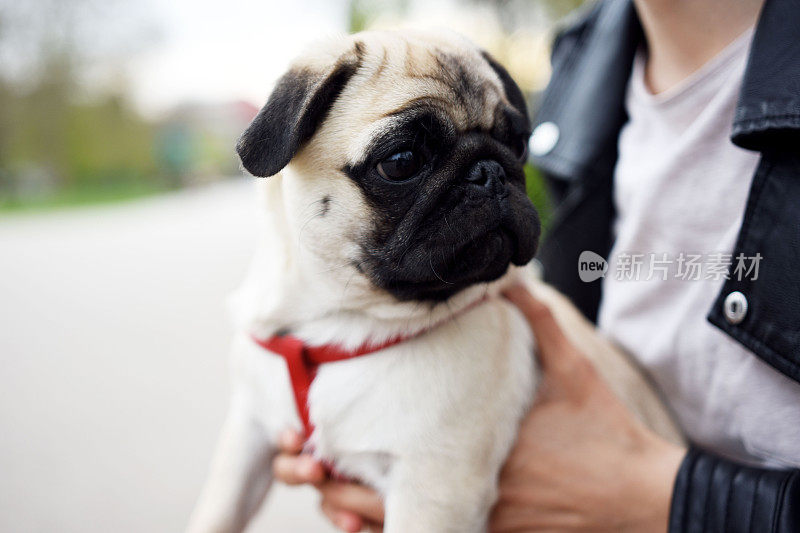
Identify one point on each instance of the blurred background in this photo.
(125, 222)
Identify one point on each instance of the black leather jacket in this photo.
(585, 101)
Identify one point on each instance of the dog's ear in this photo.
(512, 90)
(299, 103)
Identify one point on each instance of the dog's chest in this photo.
(413, 398)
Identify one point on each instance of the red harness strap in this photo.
(302, 362)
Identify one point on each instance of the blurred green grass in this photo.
(537, 192)
(84, 195)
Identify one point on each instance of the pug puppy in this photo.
(394, 213)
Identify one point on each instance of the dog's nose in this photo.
(486, 173)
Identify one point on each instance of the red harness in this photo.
(303, 361)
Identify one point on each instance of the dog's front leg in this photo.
(240, 475)
(438, 496)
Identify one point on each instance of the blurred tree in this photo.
(362, 13)
(57, 134)
(519, 14)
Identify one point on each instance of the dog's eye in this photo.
(400, 166)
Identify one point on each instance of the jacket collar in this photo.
(768, 111)
(583, 107)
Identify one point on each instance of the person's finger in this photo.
(358, 499)
(344, 520)
(290, 441)
(508, 518)
(564, 367)
(553, 345)
(298, 469)
(373, 527)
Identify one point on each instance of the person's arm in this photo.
(710, 494)
(714, 494)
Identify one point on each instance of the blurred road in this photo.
(113, 346)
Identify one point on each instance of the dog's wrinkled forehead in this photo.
(457, 79)
(400, 75)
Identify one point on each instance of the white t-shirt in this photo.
(680, 188)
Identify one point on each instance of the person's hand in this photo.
(582, 462)
(351, 507)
